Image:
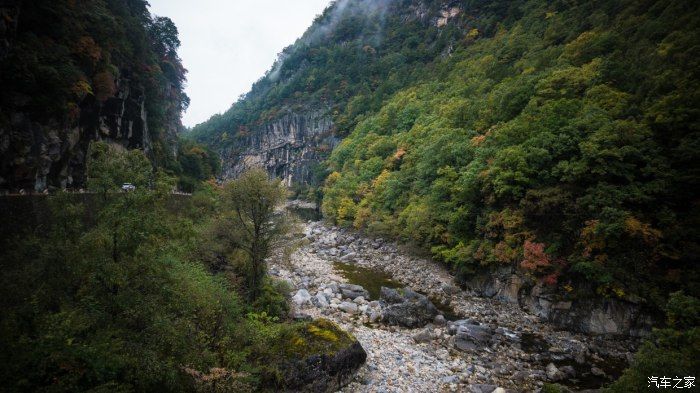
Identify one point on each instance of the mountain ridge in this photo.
(353, 50)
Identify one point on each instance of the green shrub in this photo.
(273, 299)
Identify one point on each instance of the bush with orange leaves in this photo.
(540, 264)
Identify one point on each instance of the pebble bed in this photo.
(521, 354)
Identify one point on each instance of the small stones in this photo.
(495, 347)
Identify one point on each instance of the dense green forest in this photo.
(565, 145)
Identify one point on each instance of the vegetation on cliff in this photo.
(672, 352)
(77, 71)
(353, 57)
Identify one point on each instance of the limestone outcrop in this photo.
(289, 147)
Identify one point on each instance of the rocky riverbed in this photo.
(466, 343)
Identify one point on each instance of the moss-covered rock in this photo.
(318, 357)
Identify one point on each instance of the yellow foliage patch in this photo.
(636, 228)
(478, 140)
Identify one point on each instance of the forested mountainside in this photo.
(565, 146)
(77, 71)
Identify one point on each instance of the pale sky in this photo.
(229, 44)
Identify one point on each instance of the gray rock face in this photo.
(591, 315)
(36, 156)
(405, 307)
(287, 147)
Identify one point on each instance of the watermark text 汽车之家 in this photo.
(671, 382)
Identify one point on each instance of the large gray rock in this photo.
(348, 257)
(352, 291)
(470, 337)
(553, 373)
(301, 297)
(326, 371)
(423, 336)
(405, 307)
(320, 300)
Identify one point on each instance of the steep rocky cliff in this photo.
(584, 312)
(72, 74)
(37, 156)
(289, 147)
